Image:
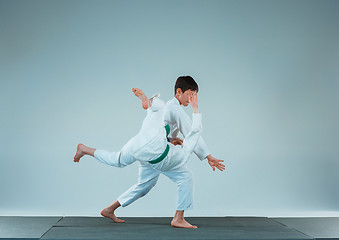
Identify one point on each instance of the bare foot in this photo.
(80, 153)
(106, 213)
(140, 94)
(181, 224)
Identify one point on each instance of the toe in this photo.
(118, 220)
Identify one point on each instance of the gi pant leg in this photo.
(149, 129)
(183, 177)
(118, 159)
(173, 166)
(148, 177)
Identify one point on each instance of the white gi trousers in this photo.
(149, 145)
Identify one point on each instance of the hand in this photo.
(194, 102)
(215, 163)
(176, 141)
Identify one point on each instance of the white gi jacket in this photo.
(151, 142)
(179, 121)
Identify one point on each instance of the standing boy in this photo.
(151, 149)
(178, 121)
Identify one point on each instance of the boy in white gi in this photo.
(179, 121)
(151, 149)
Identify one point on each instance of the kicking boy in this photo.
(151, 149)
(178, 121)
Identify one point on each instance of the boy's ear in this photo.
(178, 91)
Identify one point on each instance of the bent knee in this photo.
(144, 188)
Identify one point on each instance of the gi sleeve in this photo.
(191, 140)
(184, 124)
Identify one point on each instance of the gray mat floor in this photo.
(319, 228)
(25, 227)
(159, 228)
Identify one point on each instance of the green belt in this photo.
(159, 159)
(167, 130)
(164, 154)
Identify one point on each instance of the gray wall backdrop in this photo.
(268, 76)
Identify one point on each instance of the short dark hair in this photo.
(185, 83)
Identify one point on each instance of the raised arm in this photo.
(191, 139)
(184, 124)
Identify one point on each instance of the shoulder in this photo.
(173, 103)
(173, 108)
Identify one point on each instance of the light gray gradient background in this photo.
(268, 75)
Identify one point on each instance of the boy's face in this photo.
(184, 98)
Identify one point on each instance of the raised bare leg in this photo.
(109, 212)
(83, 150)
(179, 220)
(144, 100)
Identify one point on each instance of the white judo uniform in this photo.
(148, 145)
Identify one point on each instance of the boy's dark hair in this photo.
(185, 83)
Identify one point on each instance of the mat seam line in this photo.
(50, 228)
(294, 229)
